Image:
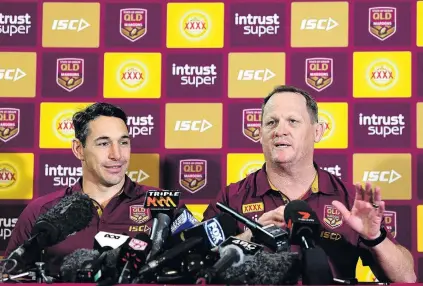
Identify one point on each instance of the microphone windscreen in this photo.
(294, 207)
(73, 261)
(71, 214)
(265, 268)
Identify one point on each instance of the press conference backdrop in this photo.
(192, 76)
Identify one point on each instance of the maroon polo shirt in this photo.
(124, 214)
(253, 196)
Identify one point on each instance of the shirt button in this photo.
(102, 221)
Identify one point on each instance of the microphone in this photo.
(71, 214)
(247, 247)
(72, 263)
(230, 255)
(160, 234)
(213, 231)
(184, 220)
(264, 268)
(167, 257)
(304, 229)
(302, 223)
(133, 254)
(104, 241)
(273, 237)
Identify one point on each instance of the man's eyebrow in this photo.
(108, 138)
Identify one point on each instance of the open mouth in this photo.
(282, 145)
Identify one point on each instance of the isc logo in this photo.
(318, 24)
(381, 176)
(195, 125)
(11, 74)
(73, 25)
(260, 75)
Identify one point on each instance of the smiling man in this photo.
(103, 146)
(351, 216)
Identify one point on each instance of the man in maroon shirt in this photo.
(351, 217)
(103, 146)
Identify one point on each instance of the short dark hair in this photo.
(310, 102)
(82, 118)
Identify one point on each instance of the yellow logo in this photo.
(250, 168)
(420, 125)
(132, 75)
(382, 74)
(144, 169)
(56, 127)
(420, 228)
(16, 176)
(195, 25)
(328, 124)
(193, 125)
(419, 23)
(392, 172)
(241, 165)
(63, 126)
(334, 118)
(197, 210)
(8, 175)
(253, 208)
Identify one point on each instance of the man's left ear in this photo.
(319, 130)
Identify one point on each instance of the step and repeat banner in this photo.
(192, 77)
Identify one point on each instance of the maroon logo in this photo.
(319, 73)
(251, 123)
(133, 23)
(332, 218)
(9, 123)
(139, 214)
(193, 174)
(70, 73)
(382, 22)
(390, 219)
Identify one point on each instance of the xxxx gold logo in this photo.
(249, 168)
(132, 76)
(328, 123)
(63, 125)
(252, 208)
(195, 25)
(382, 74)
(8, 175)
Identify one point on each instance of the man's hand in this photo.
(275, 217)
(367, 212)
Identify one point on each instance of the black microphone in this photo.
(273, 237)
(213, 231)
(168, 257)
(304, 229)
(105, 241)
(73, 262)
(247, 247)
(159, 235)
(264, 268)
(230, 255)
(71, 214)
(303, 224)
(133, 254)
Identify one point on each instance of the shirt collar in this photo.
(129, 187)
(321, 184)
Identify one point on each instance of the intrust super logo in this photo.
(16, 176)
(18, 24)
(382, 74)
(195, 75)
(56, 127)
(195, 25)
(374, 124)
(8, 218)
(392, 172)
(333, 118)
(15, 24)
(56, 172)
(132, 75)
